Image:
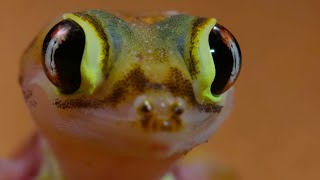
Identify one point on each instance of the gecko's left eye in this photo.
(62, 52)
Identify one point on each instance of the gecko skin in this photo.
(122, 96)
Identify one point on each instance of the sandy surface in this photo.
(274, 130)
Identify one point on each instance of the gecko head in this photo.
(127, 84)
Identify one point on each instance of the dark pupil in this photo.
(224, 60)
(62, 52)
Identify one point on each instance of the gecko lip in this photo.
(151, 123)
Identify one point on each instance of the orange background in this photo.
(274, 130)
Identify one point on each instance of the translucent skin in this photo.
(95, 135)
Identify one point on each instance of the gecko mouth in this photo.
(151, 123)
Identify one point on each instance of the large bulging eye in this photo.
(62, 52)
(226, 55)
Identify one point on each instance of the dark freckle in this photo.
(211, 108)
(135, 79)
(77, 103)
(28, 97)
(32, 103)
(27, 94)
(154, 86)
(179, 85)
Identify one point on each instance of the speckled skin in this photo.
(144, 114)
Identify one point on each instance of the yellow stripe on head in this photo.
(204, 62)
(93, 55)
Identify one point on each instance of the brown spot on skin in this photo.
(28, 94)
(135, 80)
(99, 28)
(197, 26)
(209, 108)
(96, 103)
(78, 103)
(32, 103)
(180, 86)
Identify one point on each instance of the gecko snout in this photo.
(160, 114)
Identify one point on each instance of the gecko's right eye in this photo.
(226, 55)
(62, 53)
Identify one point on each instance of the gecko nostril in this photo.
(145, 106)
(177, 108)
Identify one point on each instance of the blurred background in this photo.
(274, 130)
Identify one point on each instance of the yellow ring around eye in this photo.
(91, 65)
(201, 52)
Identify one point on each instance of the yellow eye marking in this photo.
(93, 55)
(205, 69)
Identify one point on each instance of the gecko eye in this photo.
(226, 55)
(62, 55)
